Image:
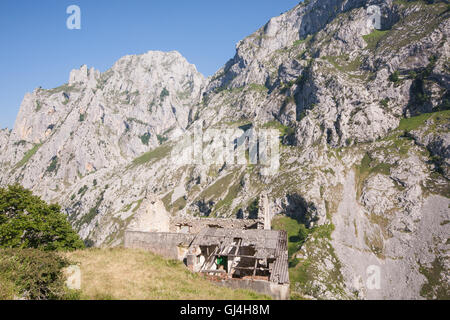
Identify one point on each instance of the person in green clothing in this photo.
(222, 263)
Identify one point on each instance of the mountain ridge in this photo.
(364, 124)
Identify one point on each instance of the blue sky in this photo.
(39, 50)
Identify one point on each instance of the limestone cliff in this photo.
(363, 116)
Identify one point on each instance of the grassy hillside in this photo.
(127, 274)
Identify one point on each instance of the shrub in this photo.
(164, 94)
(145, 138)
(31, 274)
(394, 77)
(161, 138)
(53, 165)
(253, 209)
(385, 103)
(412, 75)
(26, 221)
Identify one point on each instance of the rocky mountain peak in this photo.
(363, 116)
(84, 76)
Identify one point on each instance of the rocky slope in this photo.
(364, 124)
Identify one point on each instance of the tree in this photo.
(26, 221)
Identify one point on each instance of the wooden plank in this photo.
(240, 256)
(254, 269)
(250, 268)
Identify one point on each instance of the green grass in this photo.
(305, 271)
(87, 218)
(64, 87)
(258, 87)
(372, 39)
(153, 155)
(367, 168)
(343, 64)
(126, 274)
(413, 123)
(179, 204)
(436, 287)
(218, 188)
(226, 202)
(284, 130)
(28, 155)
(292, 227)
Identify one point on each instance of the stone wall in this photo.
(275, 290)
(195, 225)
(168, 245)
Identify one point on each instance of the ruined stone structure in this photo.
(196, 225)
(232, 252)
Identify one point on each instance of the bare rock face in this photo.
(99, 121)
(364, 159)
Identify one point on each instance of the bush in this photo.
(26, 221)
(145, 138)
(394, 77)
(31, 274)
(164, 93)
(253, 209)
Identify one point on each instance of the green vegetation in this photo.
(406, 32)
(253, 209)
(394, 77)
(32, 274)
(179, 204)
(28, 155)
(385, 103)
(233, 192)
(145, 138)
(436, 287)
(367, 168)
(343, 63)
(126, 274)
(164, 93)
(153, 155)
(296, 232)
(83, 190)
(258, 87)
(63, 88)
(38, 106)
(161, 138)
(285, 131)
(218, 188)
(53, 165)
(87, 218)
(413, 123)
(82, 117)
(28, 222)
(418, 85)
(437, 119)
(304, 271)
(137, 121)
(372, 39)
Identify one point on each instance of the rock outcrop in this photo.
(363, 116)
